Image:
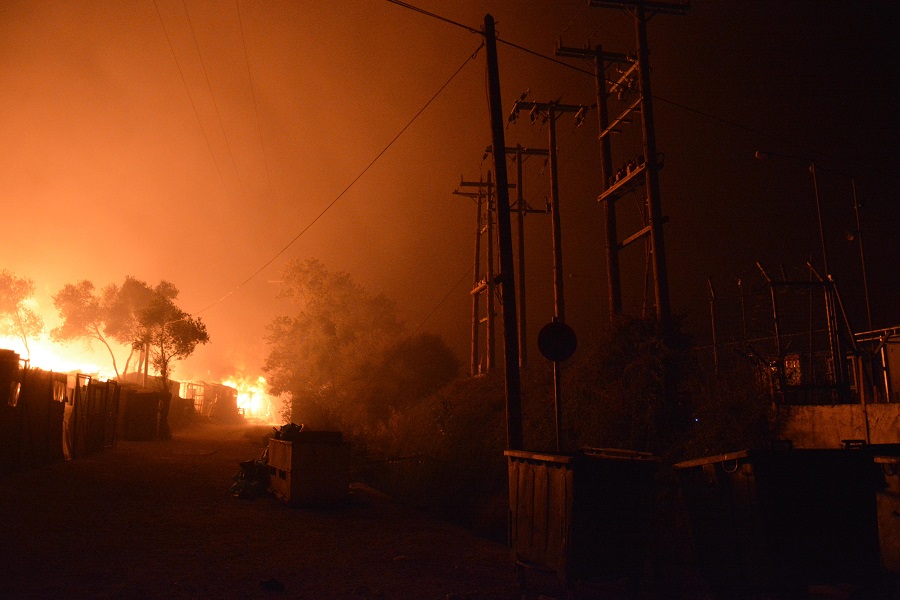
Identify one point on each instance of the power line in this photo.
(403, 130)
(346, 189)
(213, 96)
(442, 300)
(587, 72)
(435, 16)
(547, 58)
(237, 4)
(190, 96)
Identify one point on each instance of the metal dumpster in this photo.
(584, 515)
(888, 503)
(783, 519)
(312, 470)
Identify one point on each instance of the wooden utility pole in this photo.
(645, 168)
(482, 285)
(519, 153)
(520, 213)
(657, 245)
(507, 278)
(475, 361)
(550, 111)
(489, 283)
(613, 275)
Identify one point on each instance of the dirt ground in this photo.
(157, 520)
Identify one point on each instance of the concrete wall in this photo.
(827, 426)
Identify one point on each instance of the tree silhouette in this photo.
(143, 318)
(85, 314)
(16, 318)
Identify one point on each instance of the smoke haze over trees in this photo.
(16, 317)
(344, 357)
(240, 124)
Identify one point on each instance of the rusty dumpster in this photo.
(780, 520)
(585, 516)
(312, 470)
(888, 506)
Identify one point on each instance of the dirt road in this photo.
(156, 520)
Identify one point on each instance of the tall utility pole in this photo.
(600, 58)
(483, 285)
(476, 275)
(480, 198)
(519, 154)
(507, 279)
(549, 111)
(648, 168)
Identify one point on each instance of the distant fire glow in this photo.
(252, 397)
(49, 356)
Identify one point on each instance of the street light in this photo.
(763, 155)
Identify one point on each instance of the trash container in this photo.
(584, 516)
(312, 470)
(888, 503)
(783, 519)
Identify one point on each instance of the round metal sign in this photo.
(557, 341)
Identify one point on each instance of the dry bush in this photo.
(635, 388)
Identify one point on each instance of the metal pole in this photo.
(834, 344)
(779, 364)
(763, 155)
(863, 358)
(812, 170)
(510, 328)
(712, 319)
(862, 255)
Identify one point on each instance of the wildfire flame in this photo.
(44, 353)
(49, 356)
(253, 399)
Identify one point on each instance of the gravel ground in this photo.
(156, 520)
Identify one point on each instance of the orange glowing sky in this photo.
(192, 141)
